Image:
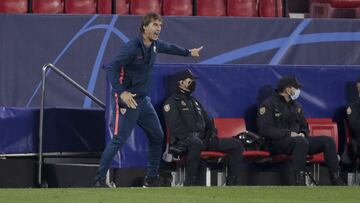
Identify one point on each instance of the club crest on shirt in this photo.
(262, 110)
(348, 110)
(183, 103)
(167, 107)
(299, 110)
(123, 111)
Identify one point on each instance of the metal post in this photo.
(42, 103)
(208, 177)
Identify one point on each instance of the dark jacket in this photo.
(131, 69)
(353, 114)
(185, 117)
(277, 118)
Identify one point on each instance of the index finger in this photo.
(200, 48)
(134, 102)
(132, 105)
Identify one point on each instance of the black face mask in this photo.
(192, 86)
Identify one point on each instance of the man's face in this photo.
(290, 90)
(152, 31)
(184, 84)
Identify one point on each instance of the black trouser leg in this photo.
(297, 147)
(233, 148)
(327, 145)
(194, 146)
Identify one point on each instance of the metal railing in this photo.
(45, 68)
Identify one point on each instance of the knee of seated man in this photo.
(236, 144)
(327, 140)
(300, 141)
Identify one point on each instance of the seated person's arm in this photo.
(173, 119)
(210, 130)
(354, 118)
(304, 127)
(266, 124)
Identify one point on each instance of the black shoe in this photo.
(153, 181)
(336, 179)
(300, 178)
(231, 180)
(103, 184)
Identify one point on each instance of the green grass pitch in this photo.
(250, 194)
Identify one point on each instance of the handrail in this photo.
(42, 102)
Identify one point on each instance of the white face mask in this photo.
(295, 95)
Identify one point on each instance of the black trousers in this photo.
(300, 147)
(232, 147)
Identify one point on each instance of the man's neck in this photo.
(183, 90)
(146, 40)
(286, 97)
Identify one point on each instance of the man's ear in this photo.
(285, 90)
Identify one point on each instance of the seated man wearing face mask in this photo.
(281, 121)
(191, 128)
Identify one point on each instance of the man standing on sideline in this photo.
(130, 77)
(190, 127)
(281, 121)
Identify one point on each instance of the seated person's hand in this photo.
(294, 134)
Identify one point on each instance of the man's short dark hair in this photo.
(184, 74)
(148, 18)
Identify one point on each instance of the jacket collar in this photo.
(140, 41)
(181, 94)
(282, 99)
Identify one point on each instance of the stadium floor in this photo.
(185, 194)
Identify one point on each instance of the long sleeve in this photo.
(266, 124)
(353, 113)
(210, 129)
(173, 49)
(174, 124)
(304, 127)
(115, 70)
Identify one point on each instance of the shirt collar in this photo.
(182, 94)
(282, 99)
